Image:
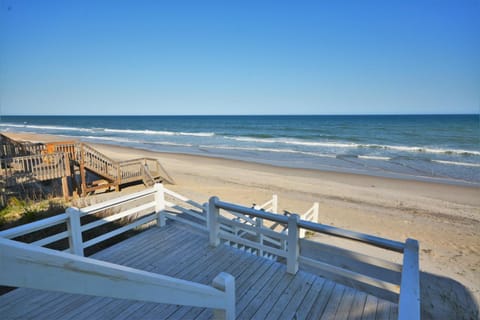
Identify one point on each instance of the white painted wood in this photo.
(226, 283)
(74, 231)
(24, 265)
(51, 239)
(34, 226)
(259, 225)
(293, 249)
(275, 203)
(116, 201)
(183, 198)
(409, 304)
(117, 216)
(252, 244)
(252, 229)
(190, 212)
(316, 210)
(214, 227)
(241, 217)
(159, 204)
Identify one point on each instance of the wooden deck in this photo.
(263, 288)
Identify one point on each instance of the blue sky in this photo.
(239, 57)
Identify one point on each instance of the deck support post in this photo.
(65, 189)
(293, 249)
(226, 283)
(212, 222)
(74, 231)
(159, 204)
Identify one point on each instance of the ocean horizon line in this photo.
(241, 115)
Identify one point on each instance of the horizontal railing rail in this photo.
(316, 227)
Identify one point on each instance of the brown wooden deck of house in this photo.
(264, 290)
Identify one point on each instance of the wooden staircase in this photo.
(24, 162)
(116, 173)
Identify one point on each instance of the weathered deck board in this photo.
(263, 288)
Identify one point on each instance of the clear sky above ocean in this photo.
(243, 57)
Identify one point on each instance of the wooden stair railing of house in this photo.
(23, 162)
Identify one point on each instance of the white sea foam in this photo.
(115, 139)
(268, 150)
(167, 143)
(31, 126)
(162, 133)
(296, 142)
(422, 149)
(455, 163)
(329, 144)
(374, 158)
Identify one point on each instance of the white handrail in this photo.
(409, 302)
(24, 265)
(409, 305)
(33, 226)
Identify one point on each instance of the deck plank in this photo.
(287, 304)
(309, 299)
(269, 300)
(321, 301)
(358, 305)
(345, 304)
(370, 310)
(333, 302)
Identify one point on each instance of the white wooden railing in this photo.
(270, 205)
(224, 222)
(401, 281)
(31, 266)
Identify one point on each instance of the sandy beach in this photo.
(445, 219)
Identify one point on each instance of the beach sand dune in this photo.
(444, 218)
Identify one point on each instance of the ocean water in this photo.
(443, 148)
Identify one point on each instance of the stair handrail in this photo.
(80, 275)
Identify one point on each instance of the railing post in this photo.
(212, 221)
(274, 203)
(74, 232)
(409, 303)
(315, 211)
(293, 249)
(159, 204)
(226, 283)
(259, 225)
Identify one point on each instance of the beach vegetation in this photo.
(18, 211)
